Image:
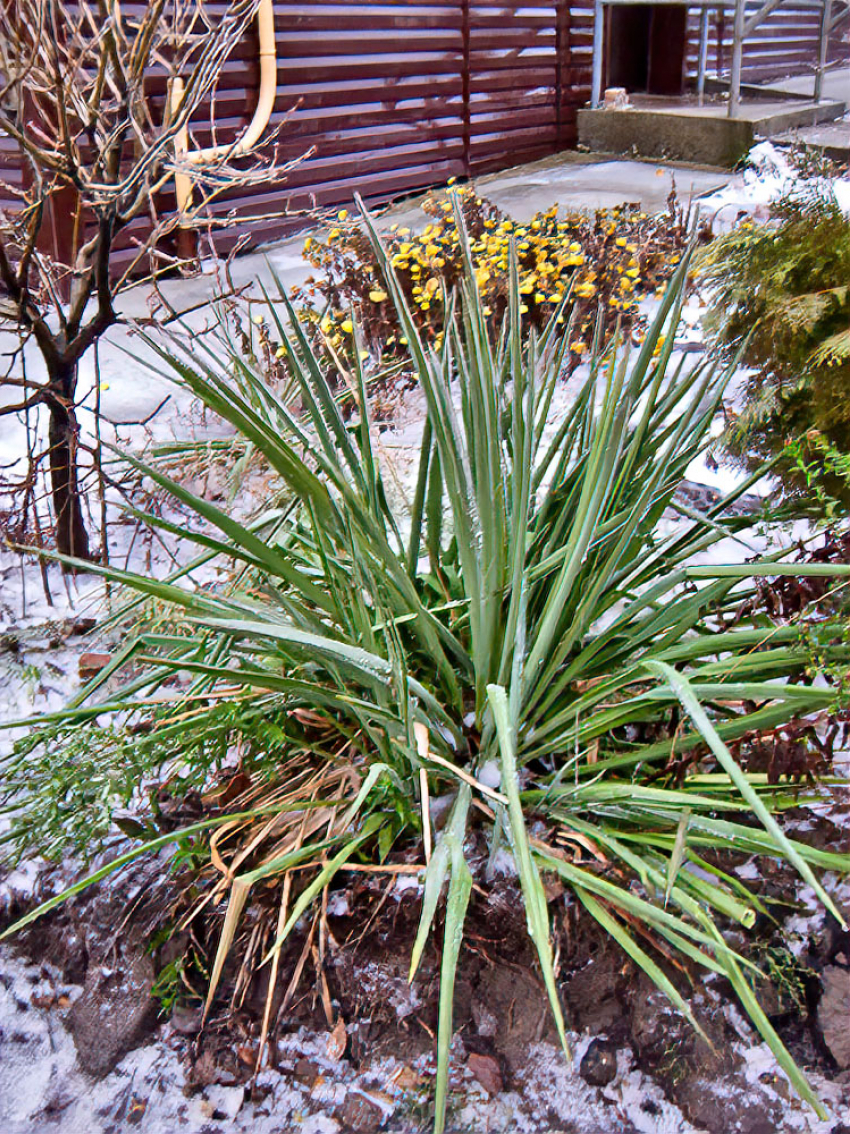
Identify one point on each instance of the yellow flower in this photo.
(280, 352)
(308, 243)
(346, 326)
(378, 295)
(620, 242)
(342, 214)
(578, 347)
(333, 234)
(451, 181)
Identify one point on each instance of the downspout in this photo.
(262, 114)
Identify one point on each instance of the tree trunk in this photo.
(71, 535)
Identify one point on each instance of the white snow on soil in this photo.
(767, 176)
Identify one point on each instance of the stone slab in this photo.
(704, 138)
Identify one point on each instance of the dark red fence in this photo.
(786, 43)
(387, 98)
(390, 98)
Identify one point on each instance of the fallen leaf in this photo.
(487, 1071)
(91, 664)
(337, 1041)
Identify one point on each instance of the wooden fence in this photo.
(786, 43)
(388, 98)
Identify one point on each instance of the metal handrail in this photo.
(743, 28)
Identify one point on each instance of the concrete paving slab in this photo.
(831, 137)
(573, 180)
(836, 84)
(130, 391)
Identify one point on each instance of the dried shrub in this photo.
(611, 259)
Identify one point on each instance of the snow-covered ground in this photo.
(767, 176)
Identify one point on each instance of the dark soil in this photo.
(357, 973)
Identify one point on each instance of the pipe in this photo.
(182, 181)
(598, 37)
(823, 49)
(262, 113)
(702, 62)
(737, 59)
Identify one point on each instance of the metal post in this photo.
(737, 59)
(826, 20)
(598, 38)
(703, 54)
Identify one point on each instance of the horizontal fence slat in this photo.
(390, 98)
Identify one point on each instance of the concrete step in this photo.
(832, 138)
(681, 130)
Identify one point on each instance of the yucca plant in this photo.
(527, 639)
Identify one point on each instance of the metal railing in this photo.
(831, 12)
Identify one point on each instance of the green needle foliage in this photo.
(782, 298)
(528, 614)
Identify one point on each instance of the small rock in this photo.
(91, 664)
(486, 1069)
(834, 1013)
(186, 1021)
(360, 1114)
(599, 1066)
(226, 1101)
(307, 1071)
(83, 625)
(484, 1019)
(114, 1013)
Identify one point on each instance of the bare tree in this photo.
(98, 102)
